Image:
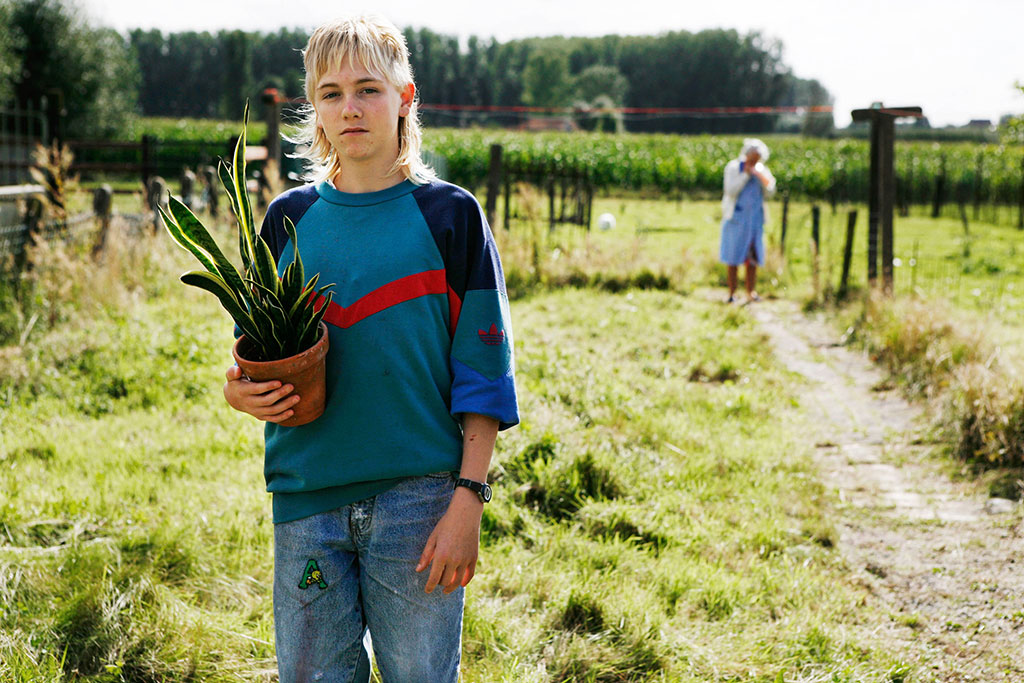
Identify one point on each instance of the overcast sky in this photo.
(957, 59)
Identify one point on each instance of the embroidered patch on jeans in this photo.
(312, 576)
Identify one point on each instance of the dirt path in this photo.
(938, 556)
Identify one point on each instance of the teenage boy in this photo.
(378, 502)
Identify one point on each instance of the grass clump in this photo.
(582, 613)
(559, 489)
(930, 353)
(985, 415)
(916, 341)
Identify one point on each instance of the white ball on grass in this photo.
(606, 221)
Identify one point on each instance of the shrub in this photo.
(985, 415)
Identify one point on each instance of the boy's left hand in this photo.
(453, 547)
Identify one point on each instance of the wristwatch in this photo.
(481, 489)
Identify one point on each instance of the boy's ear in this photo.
(408, 93)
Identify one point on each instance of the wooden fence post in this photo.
(1020, 208)
(156, 199)
(979, 169)
(210, 189)
(551, 205)
(816, 226)
(590, 197)
(494, 173)
(851, 224)
(886, 139)
(102, 206)
(815, 244)
(940, 188)
(272, 111)
(188, 188)
(785, 220)
(907, 185)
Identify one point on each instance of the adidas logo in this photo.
(493, 337)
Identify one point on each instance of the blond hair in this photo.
(379, 47)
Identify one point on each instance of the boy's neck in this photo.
(358, 178)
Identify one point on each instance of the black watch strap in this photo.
(482, 490)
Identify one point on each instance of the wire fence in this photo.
(21, 224)
(975, 267)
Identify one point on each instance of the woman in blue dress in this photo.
(747, 182)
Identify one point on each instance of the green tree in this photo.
(91, 71)
(277, 62)
(1011, 128)
(601, 79)
(236, 87)
(546, 79)
(599, 87)
(182, 73)
(8, 57)
(809, 92)
(817, 124)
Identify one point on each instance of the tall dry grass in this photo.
(933, 353)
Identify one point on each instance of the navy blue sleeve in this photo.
(482, 356)
(294, 203)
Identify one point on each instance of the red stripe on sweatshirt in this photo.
(454, 308)
(393, 293)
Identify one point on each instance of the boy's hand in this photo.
(268, 401)
(453, 546)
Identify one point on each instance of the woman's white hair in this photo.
(754, 145)
(374, 43)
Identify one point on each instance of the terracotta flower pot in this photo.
(306, 371)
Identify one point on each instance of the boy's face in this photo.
(359, 112)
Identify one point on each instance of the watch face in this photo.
(485, 493)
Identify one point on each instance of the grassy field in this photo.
(657, 514)
(952, 334)
(978, 272)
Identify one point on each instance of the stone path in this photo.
(940, 557)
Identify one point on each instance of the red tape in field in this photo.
(520, 109)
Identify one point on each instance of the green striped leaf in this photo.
(272, 337)
(293, 287)
(197, 234)
(178, 236)
(238, 313)
(264, 266)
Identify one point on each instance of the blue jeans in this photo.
(339, 573)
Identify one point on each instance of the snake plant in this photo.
(277, 315)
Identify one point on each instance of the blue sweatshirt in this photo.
(419, 334)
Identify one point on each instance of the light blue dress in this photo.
(742, 235)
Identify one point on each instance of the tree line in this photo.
(104, 76)
(207, 74)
